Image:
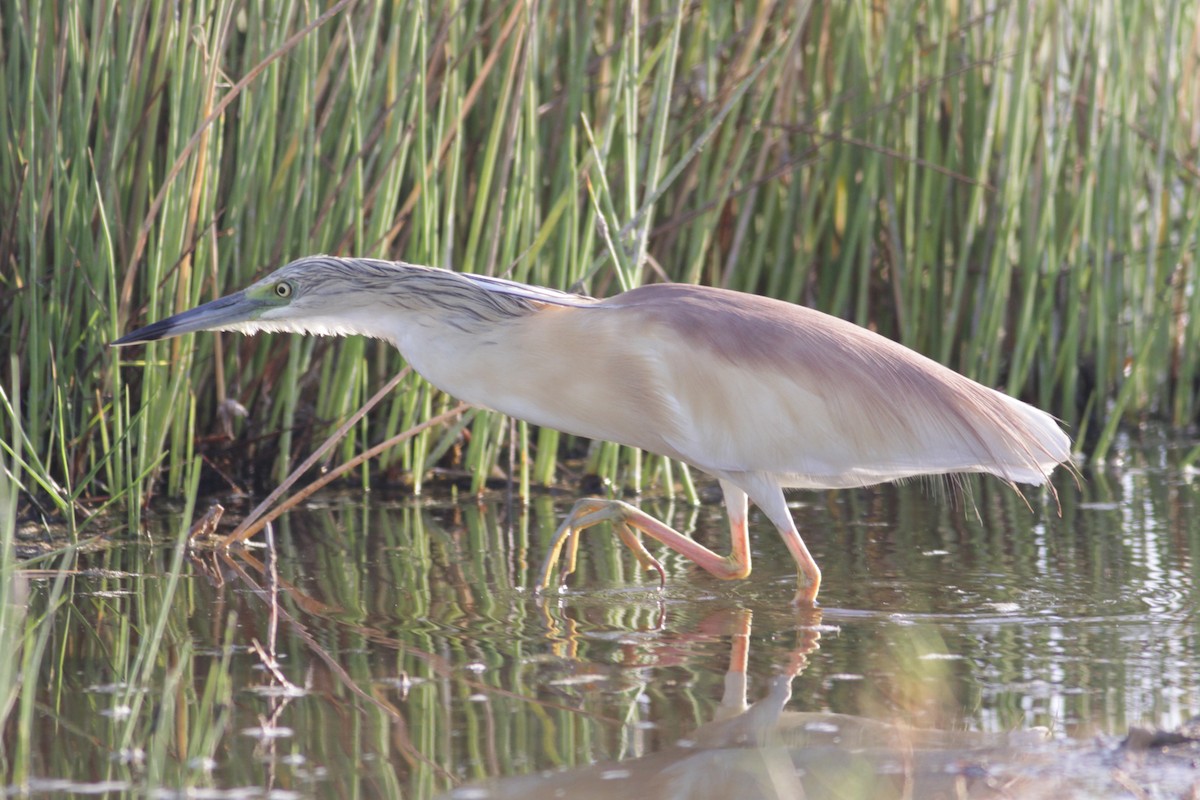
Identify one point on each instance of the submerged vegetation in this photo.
(1006, 187)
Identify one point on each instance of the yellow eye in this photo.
(283, 289)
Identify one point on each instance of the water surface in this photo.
(971, 645)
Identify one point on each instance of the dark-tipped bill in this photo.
(216, 315)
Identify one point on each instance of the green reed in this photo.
(1004, 188)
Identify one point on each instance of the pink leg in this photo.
(768, 496)
(592, 511)
(765, 493)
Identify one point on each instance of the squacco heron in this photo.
(762, 394)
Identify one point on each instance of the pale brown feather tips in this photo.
(876, 390)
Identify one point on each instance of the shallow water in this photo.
(973, 646)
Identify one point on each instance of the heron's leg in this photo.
(768, 496)
(592, 511)
(737, 507)
(585, 514)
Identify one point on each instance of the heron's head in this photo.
(319, 295)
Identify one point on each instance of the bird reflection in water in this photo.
(761, 751)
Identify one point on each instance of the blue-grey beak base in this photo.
(222, 311)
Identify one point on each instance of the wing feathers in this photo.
(827, 402)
